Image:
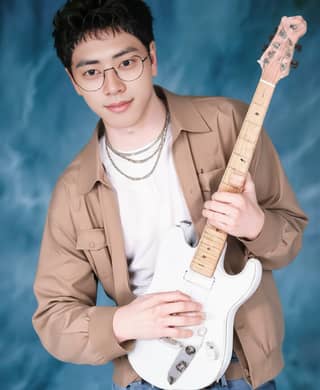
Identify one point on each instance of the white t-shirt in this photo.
(148, 207)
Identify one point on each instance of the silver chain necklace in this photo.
(124, 155)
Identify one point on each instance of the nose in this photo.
(112, 84)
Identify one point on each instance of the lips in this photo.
(120, 106)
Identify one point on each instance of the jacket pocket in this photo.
(209, 181)
(94, 244)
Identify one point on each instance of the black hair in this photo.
(80, 19)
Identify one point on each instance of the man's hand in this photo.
(157, 315)
(236, 214)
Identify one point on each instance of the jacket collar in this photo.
(183, 115)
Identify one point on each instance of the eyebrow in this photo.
(127, 50)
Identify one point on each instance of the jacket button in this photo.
(91, 244)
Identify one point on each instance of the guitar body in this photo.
(221, 296)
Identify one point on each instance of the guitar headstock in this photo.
(277, 58)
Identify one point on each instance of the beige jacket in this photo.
(83, 243)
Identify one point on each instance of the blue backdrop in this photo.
(205, 47)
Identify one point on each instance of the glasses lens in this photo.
(90, 80)
(130, 68)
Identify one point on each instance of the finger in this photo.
(219, 207)
(191, 313)
(164, 297)
(217, 219)
(220, 226)
(228, 197)
(184, 320)
(249, 185)
(181, 307)
(177, 333)
(237, 180)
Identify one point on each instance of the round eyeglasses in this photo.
(93, 78)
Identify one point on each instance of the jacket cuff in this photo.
(268, 238)
(101, 334)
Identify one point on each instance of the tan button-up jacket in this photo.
(83, 243)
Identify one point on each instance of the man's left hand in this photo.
(237, 214)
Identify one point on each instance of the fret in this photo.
(212, 231)
(203, 250)
(212, 236)
(212, 253)
(244, 148)
(256, 114)
(206, 242)
(201, 269)
(206, 262)
(199, 255)
(250, 132)
(207, 266)
(214, 245)
(263, 94)
(214, 242)
(239, 163)
(213, 249)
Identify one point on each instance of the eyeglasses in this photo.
(128, 69)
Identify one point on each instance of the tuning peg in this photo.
(298, 47)
(294, 64)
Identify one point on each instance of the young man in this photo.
(155, 159)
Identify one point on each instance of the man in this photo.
(155, 159)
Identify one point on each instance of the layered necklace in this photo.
(133, 157)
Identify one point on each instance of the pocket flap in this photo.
(91, 239)
(209, 181)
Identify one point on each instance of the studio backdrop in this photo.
(205, 47)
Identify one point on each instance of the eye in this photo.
(91, 73)
(128, 63)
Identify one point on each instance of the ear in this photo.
(153, 58)
(76, 87)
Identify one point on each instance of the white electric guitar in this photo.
(196, 362)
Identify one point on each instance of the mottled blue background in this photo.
(206, 47)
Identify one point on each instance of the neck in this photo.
(148, 126)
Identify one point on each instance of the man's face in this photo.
(121, 104)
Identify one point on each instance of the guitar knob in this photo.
(202, 331)
(190, 350)
(211, 350)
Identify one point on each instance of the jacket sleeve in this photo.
(69, 324)
(281, 237)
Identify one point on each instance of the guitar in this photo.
(196, 362)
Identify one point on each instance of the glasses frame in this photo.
(115, 71)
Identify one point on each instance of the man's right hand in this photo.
(157, 315)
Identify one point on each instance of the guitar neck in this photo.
(213, 240)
